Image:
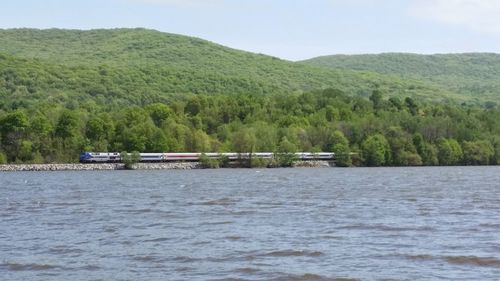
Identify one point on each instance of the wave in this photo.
(420, 257)
(90, 267)
(460, 260)
(293, 253)
(233, 237)
(219, 202)
(185, 259)
(247, 270)
(473, 260)
(161, 239)
(61, 250)
(490, 225)
(216, 222)
(312, 277)
(66, 204)
(148, 259)
(12, 266)
(387, 228)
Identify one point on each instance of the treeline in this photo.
(372, 132)
(471, 74)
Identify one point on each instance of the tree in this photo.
(449, 151)
(67, 125)
(478, 152)
(159, 113)
(3, 158)
(341, 149)
(457, 150)
(129, 159)
(376, 99)
(496, 157)
(402, 148)
(342, 155)
(427, 151)
(25, 151)
(13, 126)
(332, 114)
(244, 141)
(376, 150)
(286, 153)
(396, 103)
(411, 105)
(193, 106)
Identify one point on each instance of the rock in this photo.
(98, 167)
(137, 166)
(313, 164)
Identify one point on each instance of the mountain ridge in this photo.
(473, 73)
(156, 63)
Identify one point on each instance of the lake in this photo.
(436, 223)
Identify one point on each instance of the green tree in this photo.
(159, 113)
(13, 126)
(129, 159)
(449, 151)
(412, 106)
(3, 158)
(341, 149)
(67, 125)
(376, 99)
(427, 151)
(478, 152)
(342, 155)
(14, 130)
(496, 157)
(193, 106)
(25, 151)
(376, 151)
(285, 155)
(244, 141)
(403, 149)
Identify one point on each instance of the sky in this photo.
(288, 29)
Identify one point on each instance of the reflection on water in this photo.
(238, 224)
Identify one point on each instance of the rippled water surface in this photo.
(232, 224)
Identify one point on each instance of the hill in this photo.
(67, 91)
(140, 66)
(471, 74)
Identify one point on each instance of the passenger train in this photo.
(110, 157)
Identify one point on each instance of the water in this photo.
(271, 224)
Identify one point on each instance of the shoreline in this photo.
(137, 166)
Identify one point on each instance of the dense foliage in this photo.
(66, 91)
(476, 75)
(138, 66)
(374, 132)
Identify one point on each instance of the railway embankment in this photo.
(99, 167)
(136, 166)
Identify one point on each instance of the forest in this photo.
(476, 75)
(374, 131)
(67, 91)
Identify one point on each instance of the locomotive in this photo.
(114, 157)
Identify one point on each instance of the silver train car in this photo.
(114, 157)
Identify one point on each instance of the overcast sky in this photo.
(289, 29)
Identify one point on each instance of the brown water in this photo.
(232, 224)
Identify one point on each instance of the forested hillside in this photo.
(472, 74)
(66, 91)
(378, 130)
(138, 66)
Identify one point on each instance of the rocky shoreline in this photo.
(137, 166)
(98, 167)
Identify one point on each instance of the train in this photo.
(115, 157)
